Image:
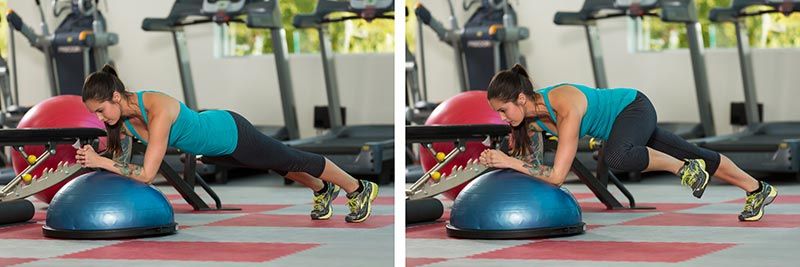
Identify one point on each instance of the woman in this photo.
(624, 118)
(224, 136)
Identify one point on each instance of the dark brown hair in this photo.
(100, 86)
(506, 86)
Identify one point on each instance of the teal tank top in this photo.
(603, 106)
(208, 133)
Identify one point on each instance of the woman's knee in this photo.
(631, 158)
(714, 162)
(300, 161)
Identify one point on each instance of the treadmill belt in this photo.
(337, 146)
(765, 143)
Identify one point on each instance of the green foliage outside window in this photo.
(411, 26)
(352, 36)
(4, 30)
(772, 30)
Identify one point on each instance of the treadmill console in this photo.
(222, 6)
(369, 9)
(364, 4)
(787, 7)
(628, 3)
(671, 10)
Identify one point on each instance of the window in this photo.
(411, 26)
(3, 29)
(352, 36)
(772, 30)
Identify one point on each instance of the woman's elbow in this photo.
(148, 177)
(557, 180)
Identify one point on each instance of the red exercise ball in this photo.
(66, 111)
(469, 107)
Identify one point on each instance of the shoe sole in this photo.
(327, 216)
(771, 197)
(699, 193)
(372, 196)
(330, 209)
(754, 218)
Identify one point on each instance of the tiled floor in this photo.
(682, 231)
(272, 229)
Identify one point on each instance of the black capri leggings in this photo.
(257, 151)
(635, 129)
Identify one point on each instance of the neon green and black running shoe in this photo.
(694, 174)
(756, 201)
(360, 203)
(322, 202)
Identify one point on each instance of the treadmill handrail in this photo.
(259, 14)
(594, 10)
(325, 8)
(591, 10)
(738, 8)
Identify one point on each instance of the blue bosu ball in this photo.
(506, 204)
(104, 205)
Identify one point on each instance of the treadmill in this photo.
(6, 171)
(76, 48)
(361, 150)
(769, 147)
(256, 14)
(487, 43)
(678, 11)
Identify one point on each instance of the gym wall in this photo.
(249, 85)
(560, 54)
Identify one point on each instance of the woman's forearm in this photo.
(130, 170)
(541, 172)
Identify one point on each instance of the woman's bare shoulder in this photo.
(564, 90)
